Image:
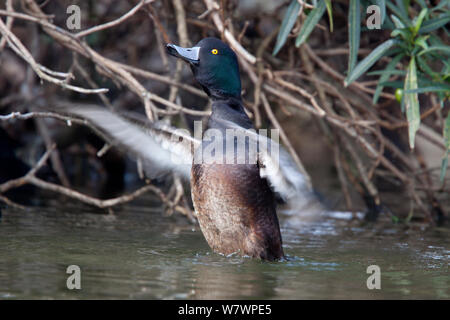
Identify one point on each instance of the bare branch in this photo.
(113, 23)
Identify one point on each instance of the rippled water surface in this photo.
(137, 253)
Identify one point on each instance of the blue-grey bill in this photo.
(188, 54)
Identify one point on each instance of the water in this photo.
(137, 253)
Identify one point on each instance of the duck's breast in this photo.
(236, 210)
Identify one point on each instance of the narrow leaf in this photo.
(419, 20)
(330, 13)
(354, 32)
(433, 24)
(445, 49)
(441, 5)
(399, 13)
(397, 22)
(435, 88)
(390, 68)
(393, 84)
(310, 22)
(412, 102)
(286, 26)
(424, 67)
(404, 33)
(369, 61)
(402, 7)
(422, 42)
(389, 72)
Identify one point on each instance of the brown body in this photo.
(236, 210)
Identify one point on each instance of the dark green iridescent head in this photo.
(214, 65)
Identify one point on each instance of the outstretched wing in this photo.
(160, 147)
(276, 165)
(163, 149)
(282, 172)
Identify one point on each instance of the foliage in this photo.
(414, 38)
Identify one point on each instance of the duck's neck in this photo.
(227, 112)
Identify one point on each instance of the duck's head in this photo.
(214, 65)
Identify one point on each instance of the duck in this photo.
(235, 202)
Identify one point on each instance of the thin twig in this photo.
(9, 22)
(113, 23)
(22, 51)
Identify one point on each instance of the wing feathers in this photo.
(161, 148)
(276, 165)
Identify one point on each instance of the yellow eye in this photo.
(214, 51)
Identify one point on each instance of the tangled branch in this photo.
(306, 83)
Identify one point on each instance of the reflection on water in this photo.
(137, 253)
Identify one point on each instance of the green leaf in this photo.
(446, 135)
(441, 5)
(424, 67)
(330, 13)
(402, 6)
(399, 13)
(412, 102)
(423, 81)
(354, 32)
(419, 20)
(438, 87)
(422, 42)
(388, 24)
(369, 61)
(435, 40)
(446, 69)
(310, 22)
(395, 219)
(404, 33)
(393, 84)
(286, 26)
(445, 49)
(389, 72)
(433, 24)
(390, 68)
(398, 24)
